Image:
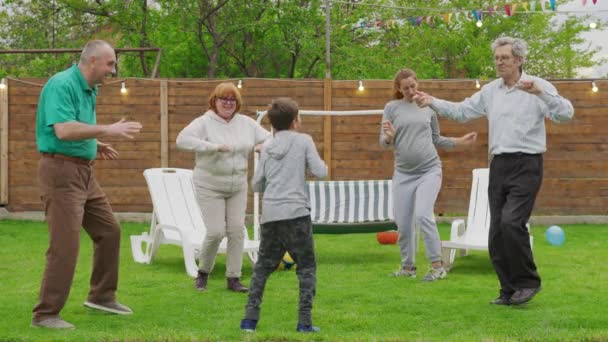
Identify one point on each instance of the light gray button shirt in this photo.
(515, 117)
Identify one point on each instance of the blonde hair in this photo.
(224, 90)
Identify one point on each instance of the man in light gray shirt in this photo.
(516, 105)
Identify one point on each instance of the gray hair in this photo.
(93, 49)
(519, 47)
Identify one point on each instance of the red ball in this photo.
(387, 238)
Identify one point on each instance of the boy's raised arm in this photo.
(314, 163)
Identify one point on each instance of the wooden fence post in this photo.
(4, 144)
(164, 124)
(327, 121)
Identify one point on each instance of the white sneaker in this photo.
(404, 272)
(112, 307)
(435, 274)
(53, 323)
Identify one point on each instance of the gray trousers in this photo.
(224, 216)
(414, 197)
(293, 236)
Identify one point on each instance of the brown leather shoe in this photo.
(234, 284)
(201, 281)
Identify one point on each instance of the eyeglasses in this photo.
(502, 58)
(226, 100)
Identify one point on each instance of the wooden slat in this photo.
(164, 125)
(327, 126)
(4, 126)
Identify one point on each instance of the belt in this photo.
(517, 154)
(76, 160)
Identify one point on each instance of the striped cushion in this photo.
(351, 201)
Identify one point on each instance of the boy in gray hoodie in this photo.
(286, 223)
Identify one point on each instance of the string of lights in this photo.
(240, 82)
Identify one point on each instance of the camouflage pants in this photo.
(293, 236)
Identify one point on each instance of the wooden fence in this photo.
(576, 164)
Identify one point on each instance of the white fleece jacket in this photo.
(215, 170)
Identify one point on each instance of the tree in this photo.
(286, 38)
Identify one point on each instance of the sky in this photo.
(597, 37)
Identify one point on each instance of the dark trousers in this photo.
(515, 179)
(73, 199)
(293, 236)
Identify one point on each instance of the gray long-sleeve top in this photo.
(281, 175)
(416, 136)
(515, 117)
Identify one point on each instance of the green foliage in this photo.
(356, 299)
(286, 39)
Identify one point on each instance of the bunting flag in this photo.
(459, 14)
(594, 2)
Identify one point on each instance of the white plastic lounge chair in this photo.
(474, 234)
(177, 219)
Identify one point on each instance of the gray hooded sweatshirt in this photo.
(281, 175)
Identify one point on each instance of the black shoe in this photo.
(201, 281)
(307, 328)
(524, 295)
(248, 325)
(502, 300)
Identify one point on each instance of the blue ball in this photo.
(555, 236)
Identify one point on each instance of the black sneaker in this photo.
(503, 299)
(522, 296)
(248, 325)
(307, 328)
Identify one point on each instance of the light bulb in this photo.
(123, 88)
(479, 23)
(477, 85)
(361, 87)
(592, 24)
(240, 84)
(594, 87)
(3, 83)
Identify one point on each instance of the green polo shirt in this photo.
(66, 97)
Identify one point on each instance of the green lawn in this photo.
(356, 300)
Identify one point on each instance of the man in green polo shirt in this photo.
(66, 135)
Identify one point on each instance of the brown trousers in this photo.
(73, 199)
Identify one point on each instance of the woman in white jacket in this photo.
(222, 140)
